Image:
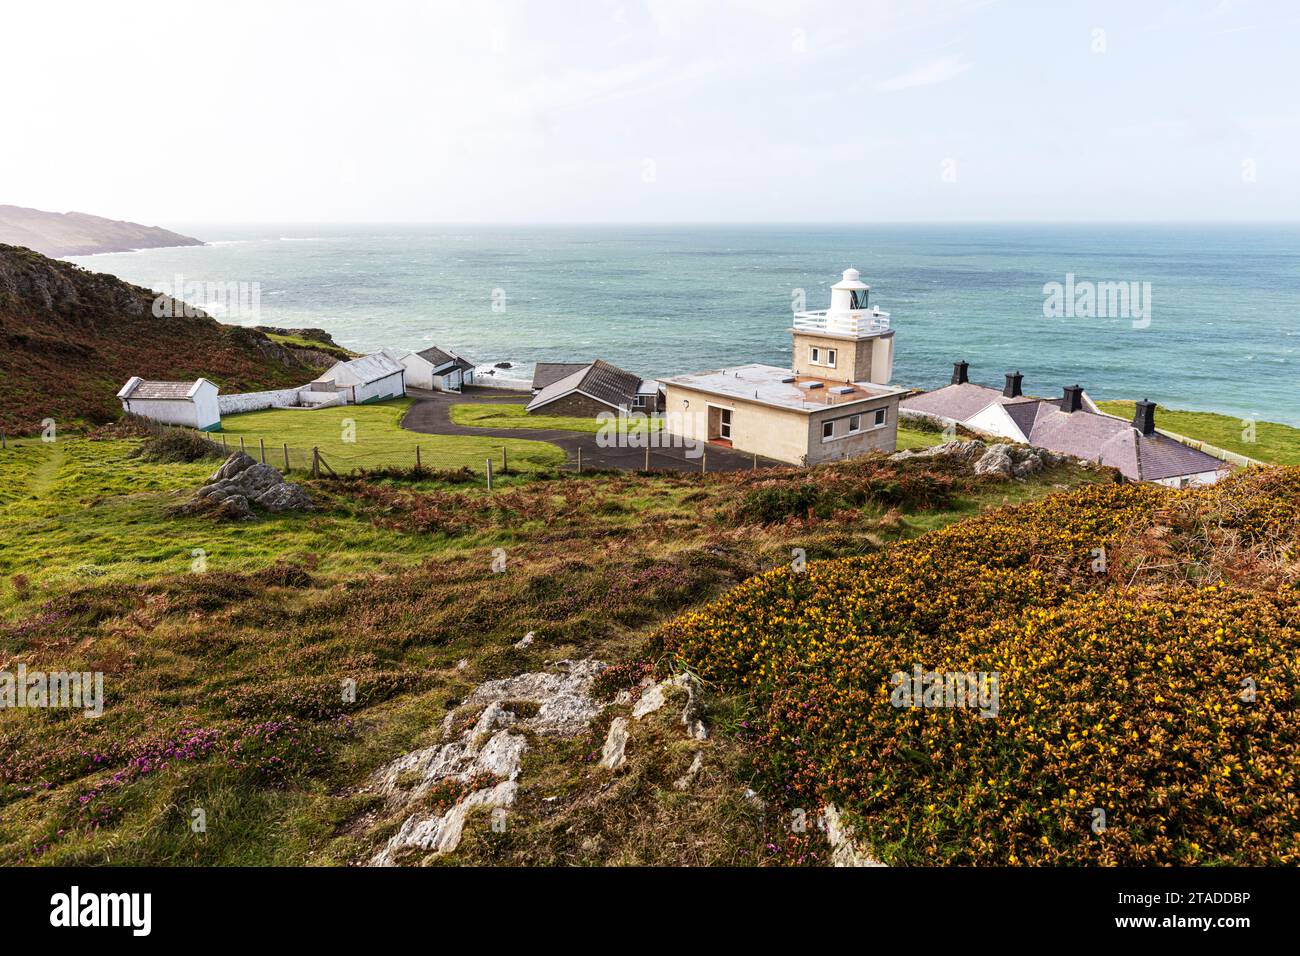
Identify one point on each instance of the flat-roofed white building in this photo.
(193, 404)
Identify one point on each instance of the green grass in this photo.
(909, 438)
(79, 512)
(514, 416)
(298, 342)
(1273, 442)
(370, 436)
(97, 573)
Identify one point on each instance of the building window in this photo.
(881, 415)
(855, 424)
(638, 401)
(828, 431)
(724, 424)
(816, 357)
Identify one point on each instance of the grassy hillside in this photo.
(1271, 442)
(69, 339)
(370, 436)
(223, 645)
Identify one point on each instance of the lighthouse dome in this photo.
(852, 280)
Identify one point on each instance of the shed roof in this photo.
(362, 371)
(600, 380)
(442, 358)
(160, 391)
(548, 373)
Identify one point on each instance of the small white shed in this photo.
(440, 370)
(359, 381)
(193, 404)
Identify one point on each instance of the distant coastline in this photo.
(61, 235)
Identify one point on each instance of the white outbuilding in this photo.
(439, 370)
(193, 404)
(359, 381)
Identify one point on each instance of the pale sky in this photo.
(662, 110)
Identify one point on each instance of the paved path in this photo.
(431, 415)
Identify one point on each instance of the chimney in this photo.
(959, 370)
(1144, 417)
(1012, 389)
(1073, 398)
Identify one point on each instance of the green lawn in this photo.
(514, 416)
(370, 436)
(298, 342)
(1273, 442)
(909, 438)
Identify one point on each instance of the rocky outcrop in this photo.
(240, 483)
(484, 758)
(844, 847)
(1002, 459)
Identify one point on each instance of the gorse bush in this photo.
(1139, 720)
(178, 445)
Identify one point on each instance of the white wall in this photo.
(255, 401)
(1193, 481)
(419, 372)
(171, 411)
(390, 386)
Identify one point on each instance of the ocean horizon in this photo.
(1213, 324)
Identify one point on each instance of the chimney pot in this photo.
(1144, 417)
(1073, 398)
(1012, 389)
(959, 373)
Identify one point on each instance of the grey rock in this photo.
(614, 754)
(231, 467)
(996, 461)
(285, 497)
(844, 848)
(250, 481)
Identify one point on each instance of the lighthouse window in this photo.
(860, 297)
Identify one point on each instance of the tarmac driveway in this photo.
(431, 415)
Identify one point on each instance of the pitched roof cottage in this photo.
(193, 404)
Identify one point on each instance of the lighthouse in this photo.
(852, 341)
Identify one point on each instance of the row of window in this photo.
(852, 424)
(820, 356)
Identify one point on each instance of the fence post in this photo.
(647, 457)
(223, 445)
(315, 462)
(755, 461)
(286, 458)
(704, 462)
(262, 443)
(505, 462)
(241, 445)
(417, 457)
(579, 459)
(489, 473)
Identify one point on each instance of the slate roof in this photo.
(958, 402)
(363, 370)
(548, 373)
(1115, 441)
(604, 382)
(167, 391)
(439, 358)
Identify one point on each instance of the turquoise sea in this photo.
(1224, 330)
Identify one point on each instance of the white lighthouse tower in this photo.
(851, 341)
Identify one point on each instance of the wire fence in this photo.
(290, 459)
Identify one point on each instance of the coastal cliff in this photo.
(61, 234)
